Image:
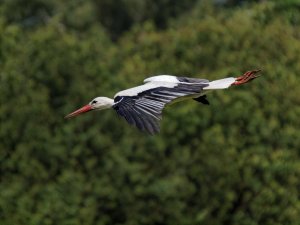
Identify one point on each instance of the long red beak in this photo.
(84, 109)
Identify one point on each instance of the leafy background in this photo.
(234, 162)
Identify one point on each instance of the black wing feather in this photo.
(145, 110)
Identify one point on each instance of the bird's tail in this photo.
(220, 84)
(227, 82)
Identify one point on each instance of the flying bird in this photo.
(142, 106)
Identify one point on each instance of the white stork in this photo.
(142, 106)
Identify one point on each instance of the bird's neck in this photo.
(110, 102)
(107, 103)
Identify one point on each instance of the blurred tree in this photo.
(235, 162)
(134, 12)
(236, 2)
(34, 13)
(29, 14)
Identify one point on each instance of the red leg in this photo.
(246, 77)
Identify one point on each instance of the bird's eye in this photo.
(94, 102)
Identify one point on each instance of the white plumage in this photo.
(142, 106)
(220, 84)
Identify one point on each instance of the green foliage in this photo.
(234, 162)
(131, 12)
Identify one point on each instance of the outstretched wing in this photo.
(143, 105)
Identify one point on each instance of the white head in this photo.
(98, 103)
(101, 103)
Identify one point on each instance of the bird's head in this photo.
(98, 103)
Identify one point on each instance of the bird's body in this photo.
(142, 106)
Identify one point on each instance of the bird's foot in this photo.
(246, 77)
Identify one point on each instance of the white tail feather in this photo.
(220, 84)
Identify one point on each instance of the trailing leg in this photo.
(246, 77)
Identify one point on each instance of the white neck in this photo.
(108, 101)
(102, 103)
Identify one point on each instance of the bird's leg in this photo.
(246, 77)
